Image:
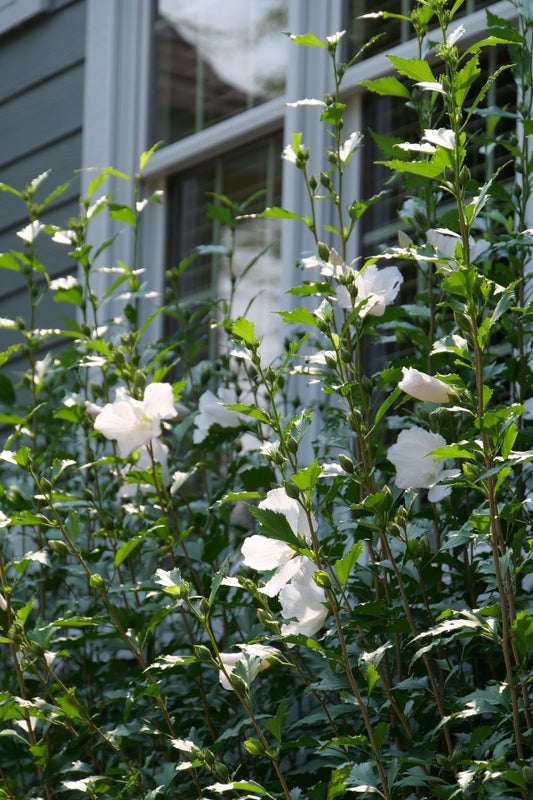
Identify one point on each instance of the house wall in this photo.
(41, 114)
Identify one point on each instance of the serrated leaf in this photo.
(274, 525)
(305, 479)
(388, 86)
(415, 68)
(123, 213)
(250, 410)
(243, 329)
(300, 316)
(307, 39)
(75, 622)
(276, 212)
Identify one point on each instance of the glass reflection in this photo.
(213, 60)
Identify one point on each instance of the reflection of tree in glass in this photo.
(241, 41)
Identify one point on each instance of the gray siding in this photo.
(41, 116)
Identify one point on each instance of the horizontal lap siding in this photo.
(41, 116)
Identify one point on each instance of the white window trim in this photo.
(115, 115)
(15, 12)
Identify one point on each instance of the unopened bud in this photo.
(58, 546)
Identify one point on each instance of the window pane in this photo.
(213, 60)
(238, 176)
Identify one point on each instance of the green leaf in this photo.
(276, 212)
(305, 479)
(415, 68)
(125, 549)
(523, 633)
(275, 724)
(300, 316)
(463, 80)
(123, 213)
(307, 39)
(509, 439)
(217, 580)
(69, 706)
(7, 392)
(274, 525)
(433, 168)
(8, 261)
(251, 411)
(372, 677)
(147, 155)
(343, 566)
(243, 329)
(74, 295)
(389, 86)
(23, 613)
(75, 622)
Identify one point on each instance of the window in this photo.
(238, 175)
(214, 60)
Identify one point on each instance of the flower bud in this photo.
(323, 251)
(322, 579)
(346, 464)
(58, 546)
(291, 490)
(255, 747)
(202, 653)
(97, 582)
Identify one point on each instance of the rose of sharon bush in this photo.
(423, 386)
(415, 469)
(134, 423)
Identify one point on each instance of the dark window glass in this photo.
(254, 169)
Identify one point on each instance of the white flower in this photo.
(254, 656)
(213, 412)
(144, 463)
(379, 287)
(444, 137)
(446, 241)
(415, 469)
(424, 387)
(30, 232)
(68, 282)
(350, 145)
(456, 34)
(308, 101)
(289, 154)
(64, 237)
(334, 267)
(134, 423)
(459, 341)
(303, 602)
(264, 554)
(335, 37)
(416, 147)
